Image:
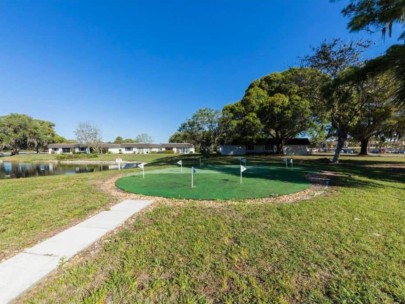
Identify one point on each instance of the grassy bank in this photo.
(347, 246)
(101, 157)
(32, 209)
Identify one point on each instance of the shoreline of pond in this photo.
(75, 162)
(10, 169)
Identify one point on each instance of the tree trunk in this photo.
(342, 136)
(279, 149)
(364, 146)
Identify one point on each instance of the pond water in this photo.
(20, 170)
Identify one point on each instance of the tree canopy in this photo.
(381, 15)
(144, 138)
(120, 140)
(341, 96)
(89, 134)
(202, 130)
(375, 15)
(278, 106)
(19, 131)
(378, 111)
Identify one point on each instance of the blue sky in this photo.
(132, 67)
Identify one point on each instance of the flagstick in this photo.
(242, 169)
(192, 177)
(143, 172)
(180, 162)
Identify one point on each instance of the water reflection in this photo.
(20, 170)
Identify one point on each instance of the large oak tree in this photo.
(277, 106)
(19, 131)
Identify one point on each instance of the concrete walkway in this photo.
(22, 271)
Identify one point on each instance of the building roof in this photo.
(64, 145)
(123, 145)
(298, 142)
(130, 145)
(177, 145)
(271, 141)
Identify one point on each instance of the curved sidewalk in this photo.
(22, 271)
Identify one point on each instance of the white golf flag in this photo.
(141, 165)
(242, 169)
(180, 162)
(194, 171)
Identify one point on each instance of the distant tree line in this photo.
(22, 132)
(334, 94)
(19, 131)
(142, 138)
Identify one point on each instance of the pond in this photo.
(20, 170)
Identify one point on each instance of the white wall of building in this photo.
(183, 150)
(123, 150)
(133, 150)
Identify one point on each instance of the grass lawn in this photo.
(217, 182)
(347, 246)
(153, 157)
(32, 209)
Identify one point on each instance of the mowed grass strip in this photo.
(32, 209)
(148, 158)
(217, 182)
(345, 247)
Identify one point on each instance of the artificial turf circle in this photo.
(216, 182)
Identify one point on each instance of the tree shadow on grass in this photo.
(352, 173)
(387, 171)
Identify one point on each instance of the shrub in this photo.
(75, 156)
(92, 155)
(67, 156)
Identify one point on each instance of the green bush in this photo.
(75, 156)
(92, 155)
(67, 156)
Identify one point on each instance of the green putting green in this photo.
(216, 182)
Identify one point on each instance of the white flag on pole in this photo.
(142, 166)
(242, 169)
(180, 162)
(194, 171)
